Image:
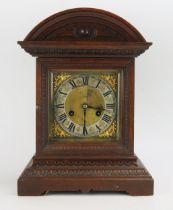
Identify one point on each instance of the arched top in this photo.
(85, 24)
(84, 32)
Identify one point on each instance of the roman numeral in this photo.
(98, 83)
(98, 128)
(60, 106)
(107, 93)
(106, 118)
(85, 132)
(63, 93)
(85, 80)
(110, 106)
(71, 127)
(62, 117)
(72, 83)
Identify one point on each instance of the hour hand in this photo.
(97, 108)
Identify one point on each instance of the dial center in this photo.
(79, 100)
(85, 106)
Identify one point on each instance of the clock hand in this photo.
(84, 126)
(92, 107)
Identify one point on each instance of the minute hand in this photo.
(84, 126)
(93, 107)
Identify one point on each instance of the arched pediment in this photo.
(85, 24)
(84, 27)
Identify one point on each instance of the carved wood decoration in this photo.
(85, 39)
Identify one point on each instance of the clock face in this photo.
(85, 105)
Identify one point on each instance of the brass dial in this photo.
(85, 105)
(80, 96)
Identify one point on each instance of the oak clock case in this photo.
(85, 105)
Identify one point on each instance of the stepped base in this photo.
(40, 177)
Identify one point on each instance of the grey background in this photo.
(153, 102)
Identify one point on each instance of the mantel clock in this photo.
(85, 105)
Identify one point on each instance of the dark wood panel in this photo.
(125, 146)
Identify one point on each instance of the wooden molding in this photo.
(84, 49)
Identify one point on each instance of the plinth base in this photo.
(40, 177)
